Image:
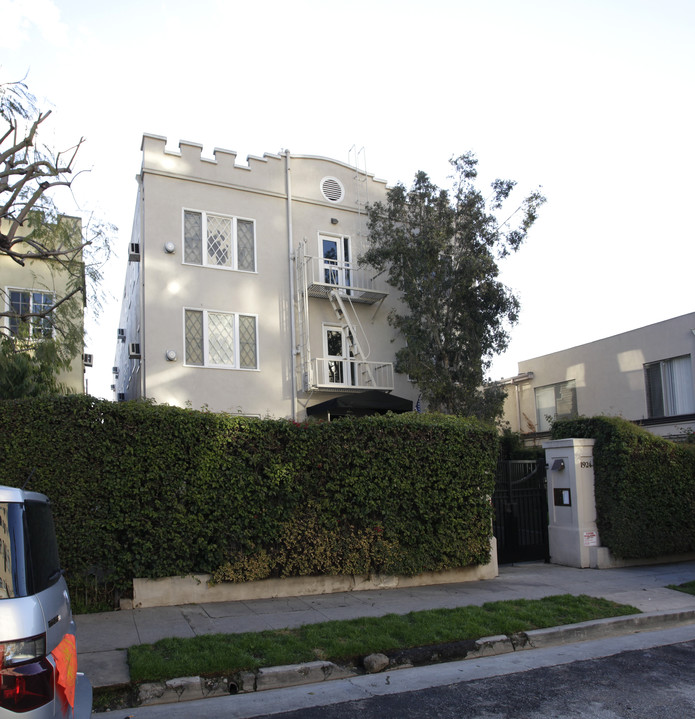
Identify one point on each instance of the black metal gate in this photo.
(521, 511)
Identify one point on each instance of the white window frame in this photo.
(34, 321)
(207, 364)
(342, 267)
(234, 241)
(346, 360)
(338, 359)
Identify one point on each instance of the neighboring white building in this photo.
(243, 293)
(645, 375)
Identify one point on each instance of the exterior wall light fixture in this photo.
(169, 248)
(171, 355)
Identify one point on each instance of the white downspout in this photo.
(141, 279)
(290, 254)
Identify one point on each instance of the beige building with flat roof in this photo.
(645, 375)
(243, 293)
(35, 287)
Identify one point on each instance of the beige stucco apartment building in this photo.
(35, 287)
(645, 375)
(243, 293)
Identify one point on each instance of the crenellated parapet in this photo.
(267, 174)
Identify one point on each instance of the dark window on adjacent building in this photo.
(669, 386)
(555, 401)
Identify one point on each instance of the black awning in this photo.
(372, 401)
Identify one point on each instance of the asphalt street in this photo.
(646, 684)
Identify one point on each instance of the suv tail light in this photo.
(22, 650)
(26, 676)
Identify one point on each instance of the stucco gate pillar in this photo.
(572, 531)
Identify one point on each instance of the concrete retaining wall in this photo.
(196, 589)
(601, 558)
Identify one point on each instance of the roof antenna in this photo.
(31, 474)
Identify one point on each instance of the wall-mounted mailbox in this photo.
(562, 497)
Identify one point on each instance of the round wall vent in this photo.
(332, 189)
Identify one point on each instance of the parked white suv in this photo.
(38, 653)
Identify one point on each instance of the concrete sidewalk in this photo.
(104, 638)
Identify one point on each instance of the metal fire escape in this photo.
(356, 353)
(343, 286)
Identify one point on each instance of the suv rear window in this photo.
(43, 550)
(28, 552)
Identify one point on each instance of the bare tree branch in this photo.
(35, 235)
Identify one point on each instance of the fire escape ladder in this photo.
(357, 158)
(355, 349)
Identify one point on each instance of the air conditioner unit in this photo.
(87, 360)
(134, 350)
(134, 252)
(121, 334)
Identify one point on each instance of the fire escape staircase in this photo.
(350, 330)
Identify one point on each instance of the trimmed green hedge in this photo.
(644, 485)
(141, 490)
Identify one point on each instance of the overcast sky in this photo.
(592, 100)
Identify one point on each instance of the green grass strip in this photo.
(687, 587)
(345, 641)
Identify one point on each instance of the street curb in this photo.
(282, 677)
(193, 688)
(603, 628)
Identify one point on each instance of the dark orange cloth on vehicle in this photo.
(65, 657)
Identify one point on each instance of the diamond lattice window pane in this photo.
(219, 241)
(193, 238)
(245, 245)
(221, 338)
(194, 338)
(247, 342)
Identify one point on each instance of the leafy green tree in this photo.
(440, 248)
(61, 259)
(30, 374)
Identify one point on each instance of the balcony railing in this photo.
(357, 283)
(344, 374)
